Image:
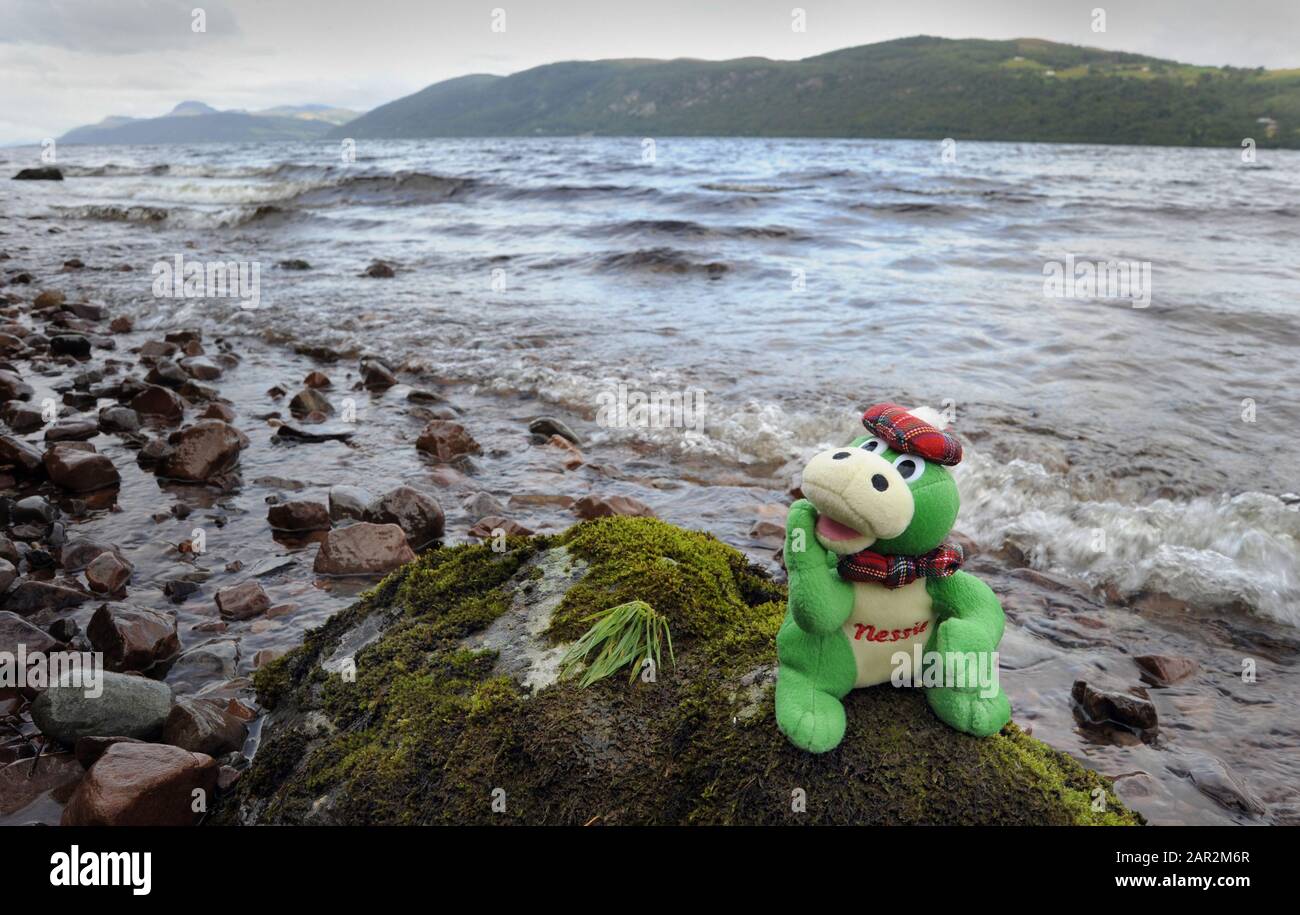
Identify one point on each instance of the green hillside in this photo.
(922, 87)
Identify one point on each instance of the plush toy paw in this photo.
(800, 528)
(968, 711)
(812, 720)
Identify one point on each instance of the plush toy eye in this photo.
(909, 467)
(873, 444)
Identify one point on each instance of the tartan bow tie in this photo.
(897, 571)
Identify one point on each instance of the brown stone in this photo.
(242, 601)
(573, 456)
(446, 440)
(1163, 670)
(419, 516)
(32, 596)
(240, 710)
(204, 726)
(78, 470)
(156, 400)
(20, 455)
(79, 554)
(308, 401)
(107, 574)
(22, 418)
(48, 298)
(15, 631)
(87, 311)
(201, 451)
(299, 515)
(1099, 705)
(363, 549)
(136, 784)
(89, 749)
(72, 430)
(117, 418)
(768, 533)
(589, 507)
(14, 388)
(376, 376)
(201, 367)
(218, 411)
(317, 380)
(486, 526)
(132, 638)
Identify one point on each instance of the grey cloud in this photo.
(98, 27)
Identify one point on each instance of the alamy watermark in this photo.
(23, 669)
(191, 279)
(624, 407)
(956, 669)
(1084, 279)
(75, 867)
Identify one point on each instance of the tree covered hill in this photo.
(922, 87)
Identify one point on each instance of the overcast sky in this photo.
(69, 62)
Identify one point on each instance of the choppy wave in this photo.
(203, 170)
(182, 217)
(686, 228)
(396, 189)
(736, 187)
(560, 193)
(662, 260)
(913, 209)
(108, 213)
(112, 170)
(1208, 551)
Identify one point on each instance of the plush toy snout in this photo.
(859, 497)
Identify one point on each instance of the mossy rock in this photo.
(454, 714)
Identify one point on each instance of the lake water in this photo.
(1141, 452)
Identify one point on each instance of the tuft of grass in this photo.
(625, 636)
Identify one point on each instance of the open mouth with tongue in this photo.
(830, 529)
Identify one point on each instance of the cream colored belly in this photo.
(885, 622)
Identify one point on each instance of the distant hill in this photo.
(327, 113)
(921, 87)
(195, 122)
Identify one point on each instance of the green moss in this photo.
(430, 732)
(705, 589)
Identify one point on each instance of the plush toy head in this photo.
(890, 490)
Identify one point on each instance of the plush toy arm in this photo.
(820, 600)
(966, 604)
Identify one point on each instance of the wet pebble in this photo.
(132, 638)
(242, 601)
(363, 549)
(142, 785)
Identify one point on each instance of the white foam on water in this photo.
(1208, 551)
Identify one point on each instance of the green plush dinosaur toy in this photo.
(873, 590)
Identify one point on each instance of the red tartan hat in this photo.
(903, 432)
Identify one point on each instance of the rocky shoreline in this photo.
(99, 421)
(170, 723)
(193, 506)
